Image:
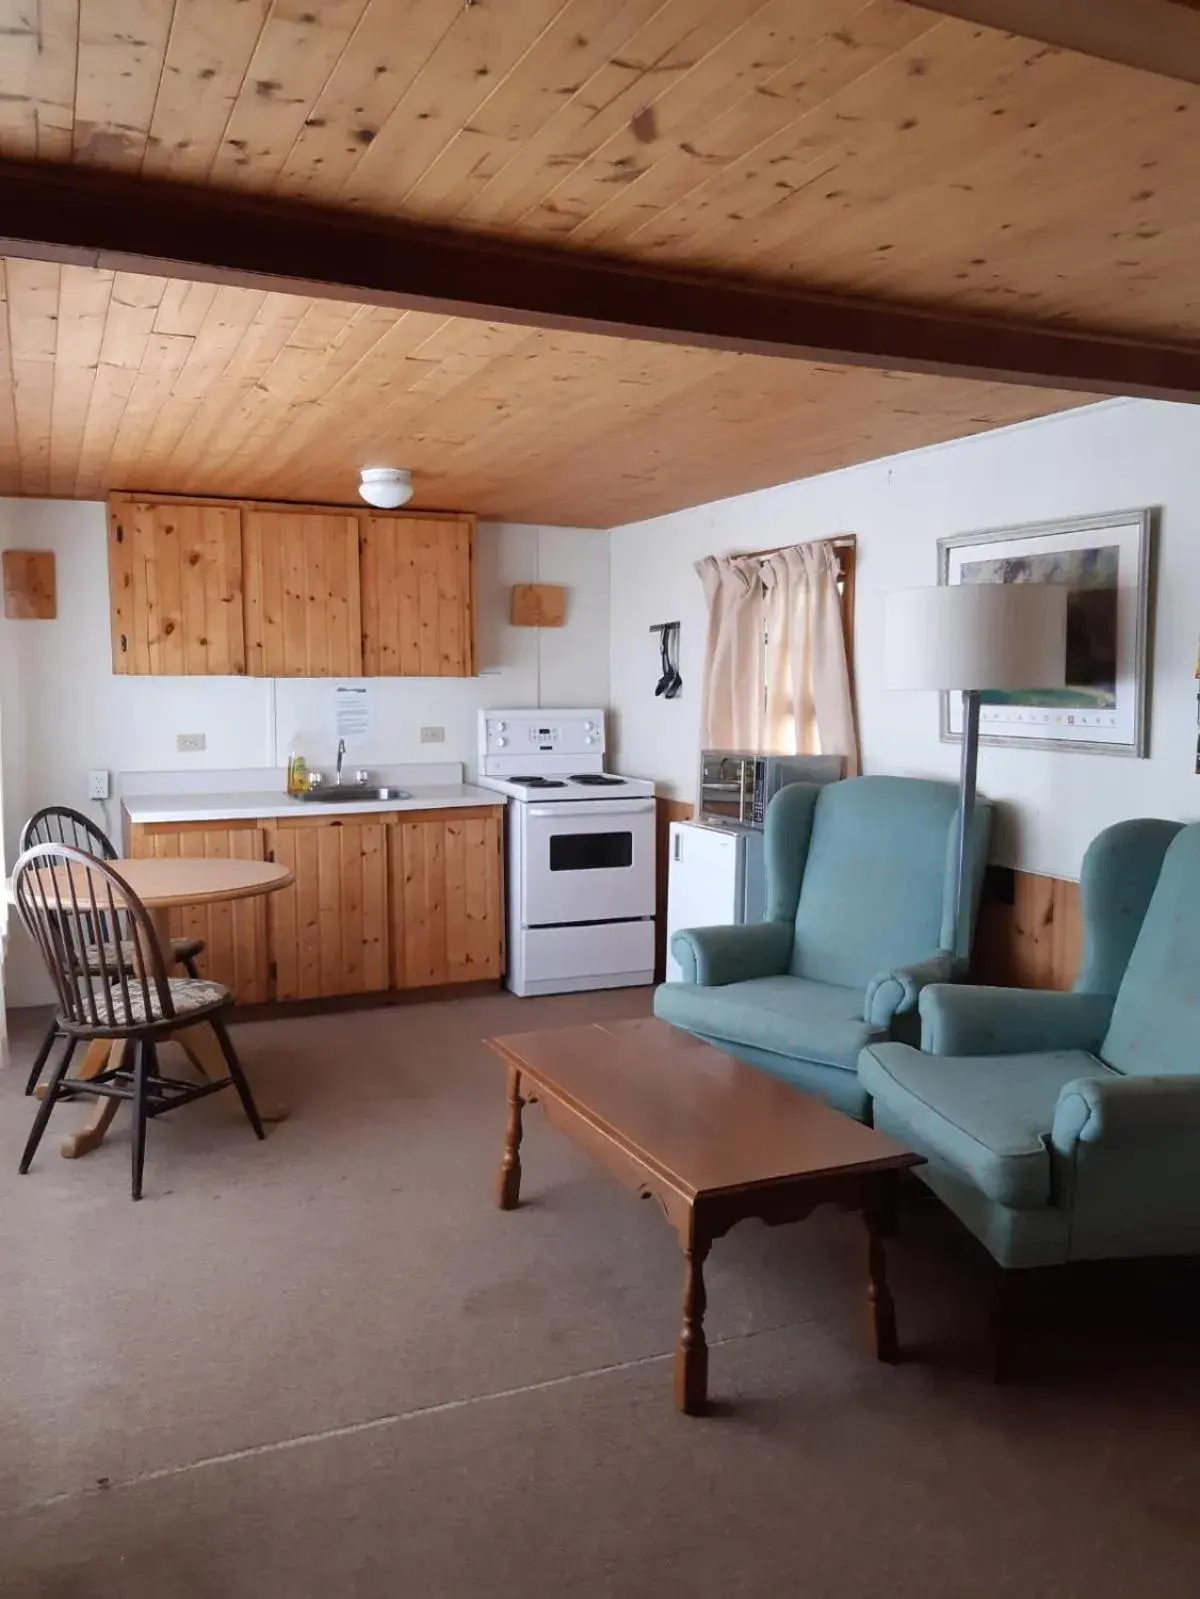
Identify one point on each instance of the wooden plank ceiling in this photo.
(870, 149)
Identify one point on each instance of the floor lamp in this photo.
(971, 637)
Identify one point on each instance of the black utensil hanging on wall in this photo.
(670, 682)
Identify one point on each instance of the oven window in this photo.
(590, 852)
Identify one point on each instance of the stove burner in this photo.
(538, 782)
(598, 780)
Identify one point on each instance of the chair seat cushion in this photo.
(188, 995)
(104, 956)
(790, 1016)
(986, 1116)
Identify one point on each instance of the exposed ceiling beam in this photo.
(111, 220)
(1161, 36)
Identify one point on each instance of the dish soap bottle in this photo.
(297, 774)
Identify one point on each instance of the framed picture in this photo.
(1105, 563)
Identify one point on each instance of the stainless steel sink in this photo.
(349, 793)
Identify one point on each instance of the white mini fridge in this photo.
(714, 879)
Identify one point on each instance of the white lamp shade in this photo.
(977, 636)
(385, 486)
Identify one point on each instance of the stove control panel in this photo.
(537, 737)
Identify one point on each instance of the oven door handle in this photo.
(590, 808)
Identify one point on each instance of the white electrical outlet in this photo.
(98, 785)
(189, 743)
(433, 735)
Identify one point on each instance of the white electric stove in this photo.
(581, 841)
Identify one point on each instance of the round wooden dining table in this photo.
(162, 885)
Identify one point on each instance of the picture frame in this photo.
(1105, 559)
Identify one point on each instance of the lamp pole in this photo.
(966, 811)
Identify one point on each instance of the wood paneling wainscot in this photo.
(447, 897)
(303, 607)
(417, 592)
(1034, 941)
(329, 929)
(175, 583)
(235, 931)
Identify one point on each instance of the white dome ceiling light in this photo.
(385, 486)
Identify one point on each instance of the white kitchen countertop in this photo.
(250, 805)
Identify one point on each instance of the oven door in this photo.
(587, 861)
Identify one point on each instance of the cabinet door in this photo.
(302, 594)
(175, 582)
(418, 612)
(447, 898)
(328, 930)
(235, 932)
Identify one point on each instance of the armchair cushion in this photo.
(1010, 1021)
(986, 1117)
(897, 992)
(786, 1016)
(875, 894)
(715, 955)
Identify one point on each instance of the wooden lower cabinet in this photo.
(235, 932)
(329, 930)
(379, 902)
(447, 898)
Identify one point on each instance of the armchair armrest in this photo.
(712, 956)
(1126, 1164)
(961, 1020)
(893, 993)
(1126, 1108)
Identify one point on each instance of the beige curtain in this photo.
(732, 690)
(791, 695)
(809, 708)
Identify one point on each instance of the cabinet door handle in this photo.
(678, 843)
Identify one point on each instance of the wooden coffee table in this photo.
(714, 1141)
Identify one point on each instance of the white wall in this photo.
(1107, 457)
(63, 712)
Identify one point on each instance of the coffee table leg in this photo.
(508, 1179)
(879, 1205)
(691, 1352)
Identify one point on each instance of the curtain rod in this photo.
(842, 541)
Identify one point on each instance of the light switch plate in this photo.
(433, 735)
(189, 743)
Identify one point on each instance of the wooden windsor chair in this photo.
(59, 824)
(98, 942)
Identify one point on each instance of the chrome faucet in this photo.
(341, 756)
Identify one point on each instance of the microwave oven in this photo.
(736, 786)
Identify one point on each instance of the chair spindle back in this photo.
(79, 912)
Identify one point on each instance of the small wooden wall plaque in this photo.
(539, 605)
(29, 586)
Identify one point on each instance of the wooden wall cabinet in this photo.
(175, 584)
(417, 587)
(234, 931)
(289, 591)
(303, 610)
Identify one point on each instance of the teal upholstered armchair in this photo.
(860, 917)
(1066, 1127)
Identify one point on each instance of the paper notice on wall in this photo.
(353, 711)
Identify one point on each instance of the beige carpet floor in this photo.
(327, 1366)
